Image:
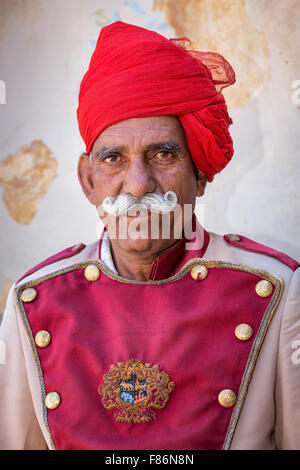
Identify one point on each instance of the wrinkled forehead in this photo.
(143, 132)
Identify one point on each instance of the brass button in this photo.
(264, 288)
(243, 332)
(52, 400)
(28, 295)
(227, 398)
(233, 237)
(42, 338)
(199, 272)
(92, 273)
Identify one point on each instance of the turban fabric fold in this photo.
(135, 73)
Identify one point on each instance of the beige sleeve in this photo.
(287, 391)
(19, 428)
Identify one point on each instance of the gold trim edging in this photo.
(256, 346)
(258, 341)
(29, 335)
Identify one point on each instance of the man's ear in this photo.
(85, 177)
(201, 183)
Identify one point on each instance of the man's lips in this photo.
(138, 210)
(137, 214)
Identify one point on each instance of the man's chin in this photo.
(139, 233)
(141, 244)
(144, 230)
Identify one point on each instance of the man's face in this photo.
(139, 156)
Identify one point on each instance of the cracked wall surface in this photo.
(25, 177)
(225, 27)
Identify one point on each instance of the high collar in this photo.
(172, 261)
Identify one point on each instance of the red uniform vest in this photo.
(181, 330)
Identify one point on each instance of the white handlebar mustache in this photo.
(126, 204)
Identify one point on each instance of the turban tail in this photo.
(135, 73)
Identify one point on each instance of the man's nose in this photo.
(139, 179)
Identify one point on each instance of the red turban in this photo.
(135, 73)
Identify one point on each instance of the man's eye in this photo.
(163, 155)
(111, 159)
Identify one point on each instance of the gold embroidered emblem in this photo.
(134, 388)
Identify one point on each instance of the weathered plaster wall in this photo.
(224, 26)
(45, 48)
(25, 177)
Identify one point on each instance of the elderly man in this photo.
(160, 335)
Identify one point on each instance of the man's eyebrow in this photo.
(170, 146)
(103, 151)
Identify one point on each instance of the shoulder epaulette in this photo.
(66, 253)
(250, 245)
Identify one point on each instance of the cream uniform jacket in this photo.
(270, 415)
